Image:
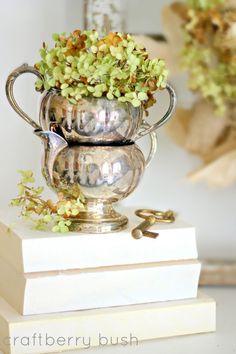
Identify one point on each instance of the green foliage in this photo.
(42, 212)
(82, 64)
(203, 4)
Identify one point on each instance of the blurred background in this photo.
(24, 26)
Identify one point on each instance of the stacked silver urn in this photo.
(90, 149)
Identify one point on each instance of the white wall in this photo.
(24, 25)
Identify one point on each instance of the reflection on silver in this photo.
(103, 174)
(92, 120)
(107, 173)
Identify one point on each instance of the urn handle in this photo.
(164, 119)
(153, 144)
(25, 68)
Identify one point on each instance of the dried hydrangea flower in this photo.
(209, 54)
(115, 66)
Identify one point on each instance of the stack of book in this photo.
(61, 292)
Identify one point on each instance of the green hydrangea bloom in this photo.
(115, 66)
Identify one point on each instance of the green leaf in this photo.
(15, 202)
(47, 218)
(38, 84)
(110, 96)
(63, 86)
(56, 228)
(63, 228)
(68, 223)
(135, 102)
(61, 210)
(72, 100)
(21, 189)
(39, 190)
(55, 37)
(142, 96)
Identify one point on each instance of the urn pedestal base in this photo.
(99, 217)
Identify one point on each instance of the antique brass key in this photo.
(151, 217)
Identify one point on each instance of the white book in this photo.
(33, 251)
(58, 291)
(127, 325)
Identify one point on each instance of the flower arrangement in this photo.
(45, 212)
(115, 66)
(209, 53)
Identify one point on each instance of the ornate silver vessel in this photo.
(91, 120)
(104, 175)
(89, 147)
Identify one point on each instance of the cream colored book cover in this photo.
(30, 251)
(84, 329)
(58, 291)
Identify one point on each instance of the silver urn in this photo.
(97, 121)
(89, 147)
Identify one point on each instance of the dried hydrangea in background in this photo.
(201, 38)
(114, 66)
(209, 53)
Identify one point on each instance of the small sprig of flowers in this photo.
(115, 66)
(44, 213)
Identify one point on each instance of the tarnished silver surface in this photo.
(165, 118)
(23, 69)
(108, 173)
(104, 175)
(91, 120)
